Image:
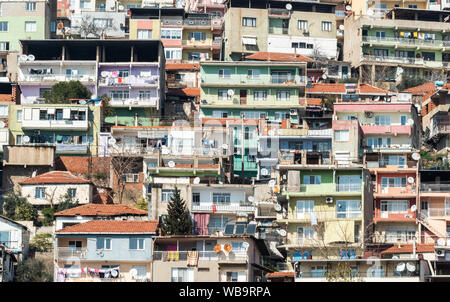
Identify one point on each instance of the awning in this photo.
(249, 40)
(262, 267)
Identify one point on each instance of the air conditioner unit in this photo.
(329, 199)
(369, 114)
(293, 111)
(440, 252)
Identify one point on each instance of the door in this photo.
(243, 96)
(424, 208)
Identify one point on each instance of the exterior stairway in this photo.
(423, 219)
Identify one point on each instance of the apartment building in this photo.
(215, 7)
(406, 43)
(377, 9)
(307, 28)
(104, 250)
(14, 237)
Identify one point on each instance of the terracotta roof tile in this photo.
(421, 89)
(185, 91)
(408, 248)
(56, 177)
(79, 164)
(339, 88)
(112, 226)
(277, 56)
(102, 210)
(182, 66)
(280, 275)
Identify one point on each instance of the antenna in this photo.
(197, 180)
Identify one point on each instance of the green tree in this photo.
(18, 208)
(42, 243)
(178, 221)
(67, 201)
(410, 82)
(62, 92)
(33, 270)
(26, 211)
(108, 109)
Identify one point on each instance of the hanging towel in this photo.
(313, 218)
(192, 258)
(173, 256)
(165, 256)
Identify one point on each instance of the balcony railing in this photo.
(130, 80)
(354, 187)
(56, 78)
(11, 245)
(197, 22)
(143, 149)
(434, 187)
(324, 215)
(435, 212)
(279, 12)
(223, 207)
(175, 256)
(55, 124)
(134, 102)
(367, 274)
(67, 252)
(407, 41)
(402, 60)
(331, 188)
(261, 79)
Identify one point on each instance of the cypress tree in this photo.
(178, 220)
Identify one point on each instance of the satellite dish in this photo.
(133, 273)
(288, 6)
(341, 27)
(112, 141)
(23, 57)
(395, 257)
(197, 180)
(121, 7)
(251, 198)
(411, 267)
(415, 156)
(104, 73)
(283, 233)
(264, 172)
(31, 57)
(400, 267)
(411, 180)
(224, 146)
(2, 124)
(230, 92)
(277, 207)
(369, 12)
(324, 76)
(410, 121)
(272, 182)
(348, 7)
(171, 164)
(114, 273)
(26, 139)
(441, 242)
(34, 173)
(413, 208)
(245, 245)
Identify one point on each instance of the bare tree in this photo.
(91, 28)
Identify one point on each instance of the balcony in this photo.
(176, 256)
(136, 81)
(406, 42)
(435, 212)
(68, 253)
(324, 215)
(38, 78)
(379, 129)
(435, 187)
(325, 189)
(71, 148)
(408, 191)
(324, 132)
(55, 124)
(144, 149)
(402, 60)
(261, 80)
(133, 102)
(279, 13)
(223, 207)
(444, 129)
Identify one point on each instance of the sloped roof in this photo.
(421, 89)
(280, 275)
(55, 177)
(278, 56)
(408, 248)
(185, 91)
(339, 88)
(112, 226)
(79, 164)
(101, 210)
(183, 66)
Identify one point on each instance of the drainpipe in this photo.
(135, 119)
(414, 248)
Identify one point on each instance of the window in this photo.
(53, 26)
(221, 198)
(119, 94)
(429, 56)
(173, 54)
(281, 116)
(382, 120)
(394, 160)
(4, 45)
(304, 233)
(223, 95)
(394, 206)
(302, 24)
(283, 95)
(4, 110)
(141, 270)
(182, 274)
(174, 34)
(249, 21)
(380, 34)
(75, 244)
(136, 243)
(197, 36)
(404, 234)
(196, 56)
(393, 182)
(103, 22)
(39, 192)
(312, 179)
(144, 34)
(305, 206)
(326, 26)
(348, 208)
(30, 6)
(72, 192)
(196, 198)
(260, 95)
(381, 52)
(349, 183)
(166, 195)
(377, 142)
(224, 73)
(216, 224)
(232, 276)
(85, 3)
(403, 120)
(412, 5)
(3, 26)
(103, 243)
(253, 73)
(30, 26)
(341, 135)
(145, 95)
(73, 271)
(318, 271)
(19, 115)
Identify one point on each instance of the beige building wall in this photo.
(55, 192)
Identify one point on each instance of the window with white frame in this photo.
(393, 182)
(145, 94)
(72, 192)
(279, 115)
(326, 26)
(30, 26)
(304, 206)
(219, 113)
(3, 26)
(173, 34)
(395, 160)
(30, 6)
(39, 192)
(119, 94)
(181, 274)
(130, 177)
(223, 94)
(341, 135)
(394, 206)
(283, 95)
(318, 271)
(260, 95)
(312, 179)
(141, 270)
(382, 120)
(85, 3)
(3, 110)
(348, 208)
(253, 73)
(349, 183)
(4, 45)
(224, 73)
(19, 115)
(219, 198)
(103, 22)
(166, 195)
(136, 244)
(304, 232)
(197, 36)
(103, 243)
(402, 234)
(246, 21)
(377, 142)
(144, 34)
(303, 24)
(173, 53)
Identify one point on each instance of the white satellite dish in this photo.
(133, 273)
(114, 273)
(264, 172)
(341, 27)
(23, 57)
(413, 208)
(31, 57)
(34, 173)
(410, 121)
(245, 245)
(400, 267)
(230, 92)
(415, 156)
(369, 12)
(441, 242)
(171, 164)
(2, 124)
(277, 207)
(283, 233)
(348, 7)
(197, 180)
(288, 6)
(411, 180)
(411, 267)
(104, 73)
(272, 182)
(112, 141)
(251, 198)
(324, 76)
(26, 139)
(121, 7)
(395, 257)
(224, 146)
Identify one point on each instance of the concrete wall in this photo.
(55, 192)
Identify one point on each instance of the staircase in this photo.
(423, 219)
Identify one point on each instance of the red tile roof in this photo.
(182, 66)
(79, 164)
(102, 210)
(280, 275)
(55, 177)
(278, 56)
(185, 91)
(408, 248)
(6, 98)
(112, 226)
(339, 88)
(311, 101)
(421, 89)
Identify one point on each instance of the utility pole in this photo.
(242, 145)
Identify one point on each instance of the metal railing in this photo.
(408, 41)
(354, 187)
(368, 274)
(67, 252)
(134, 101)
(434, 187)
(56, 77)
(279, 12)
(130, 80)
(393, 59)
(261, 79)
(175, 256)
(223, 207)
(435, 212)
(324, 215)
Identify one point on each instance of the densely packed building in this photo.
(309, 140)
